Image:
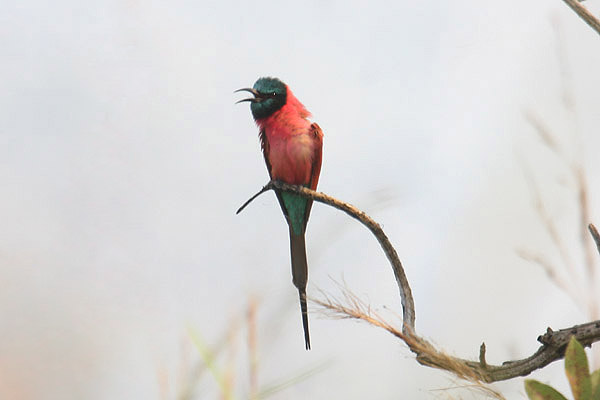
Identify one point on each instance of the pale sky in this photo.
(123, 159)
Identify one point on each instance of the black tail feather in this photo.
(304, 310)
(300, 277)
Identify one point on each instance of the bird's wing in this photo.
(264, 145)
(317, 134)
(315, 171)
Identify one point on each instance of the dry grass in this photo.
(351, 306)
(230, 368)
(578, 279)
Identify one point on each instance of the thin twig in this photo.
(595, 235)
(553, 343)
(261, 191)
(584, 14)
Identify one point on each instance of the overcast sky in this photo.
(123, 159)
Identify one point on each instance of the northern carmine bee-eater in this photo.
(292, 147)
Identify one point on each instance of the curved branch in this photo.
(408, 305)
(584, 14)
(553, 342)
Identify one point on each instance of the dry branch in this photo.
(408, 305)
(595, 235)
(553, 342)
(584, 14)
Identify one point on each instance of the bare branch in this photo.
(553, 343)
(595, 235)
(261, 191)
(584, 14)
(408, 306)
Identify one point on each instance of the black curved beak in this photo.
(256, 99)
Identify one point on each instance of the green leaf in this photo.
(578, 372)
(595, 379)
(540, 391)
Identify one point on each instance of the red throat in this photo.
(292, 116)
(291, 144)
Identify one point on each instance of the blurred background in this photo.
(126, 273)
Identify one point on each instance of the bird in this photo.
(292, 147)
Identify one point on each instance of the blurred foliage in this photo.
(584, 386)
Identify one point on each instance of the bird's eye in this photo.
(273, 94)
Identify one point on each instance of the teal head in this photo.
(270, 94)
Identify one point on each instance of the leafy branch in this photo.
(584, 386)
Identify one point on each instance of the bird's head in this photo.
(270, 95)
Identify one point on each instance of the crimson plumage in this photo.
(292, 149)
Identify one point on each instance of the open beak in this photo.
(256, 99)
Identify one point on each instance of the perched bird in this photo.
(292, 147)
